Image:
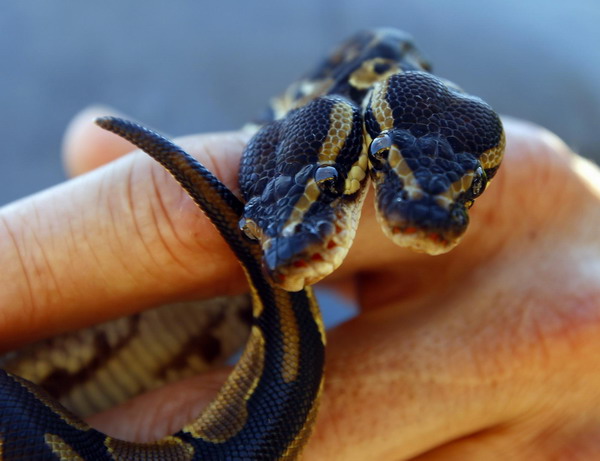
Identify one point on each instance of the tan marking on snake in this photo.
(295, 448)
(365, 76)
(337, 247)
(380, 107)
(171, 336)
(316, 313)
(61, 449)
(400, 166)
(290, 332)
(290, 99)
(357, 174)
(231, 403)
(447, 198)
(492, 158)
(311, 194)
(166, 448)
(257, 305)
(340, 126)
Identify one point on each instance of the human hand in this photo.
(485, 352)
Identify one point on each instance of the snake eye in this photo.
(380, 148)
(479, 183)
(328, 180)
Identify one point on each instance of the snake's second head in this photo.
(433, 151)
(304, 180)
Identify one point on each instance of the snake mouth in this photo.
(305, 257)
(307, 266)
(422, 225)
(432, 242)
(293, 262)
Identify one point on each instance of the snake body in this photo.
(98, 367)
(371, 109)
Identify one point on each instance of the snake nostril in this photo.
(248, 228)
(459, 217)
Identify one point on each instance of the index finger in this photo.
(112, 242)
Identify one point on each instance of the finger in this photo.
(87, 146)
(575, 440)
(172, 407)
(112, 242)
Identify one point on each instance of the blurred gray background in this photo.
(185, 67)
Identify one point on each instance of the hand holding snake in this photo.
(407, 349)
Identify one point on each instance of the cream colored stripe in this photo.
(231, 403)
(311, 194)
(357, 173)
(492, 158)
(400, 166)
(295, 448)
(340, 126)
(316, 313)
(380, 107)
(257, 305)
(166, 448)
(365, 76)
(61, 449)
(459, 186)
(291, 337)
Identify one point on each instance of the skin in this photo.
(488, 352)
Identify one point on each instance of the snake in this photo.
(371, 111)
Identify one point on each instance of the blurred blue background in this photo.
(186, 67)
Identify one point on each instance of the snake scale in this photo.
(371, 110)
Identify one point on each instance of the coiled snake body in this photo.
(369, 110)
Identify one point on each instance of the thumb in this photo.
(86, 146)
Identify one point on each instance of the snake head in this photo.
(434, 149)
(303, 179)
